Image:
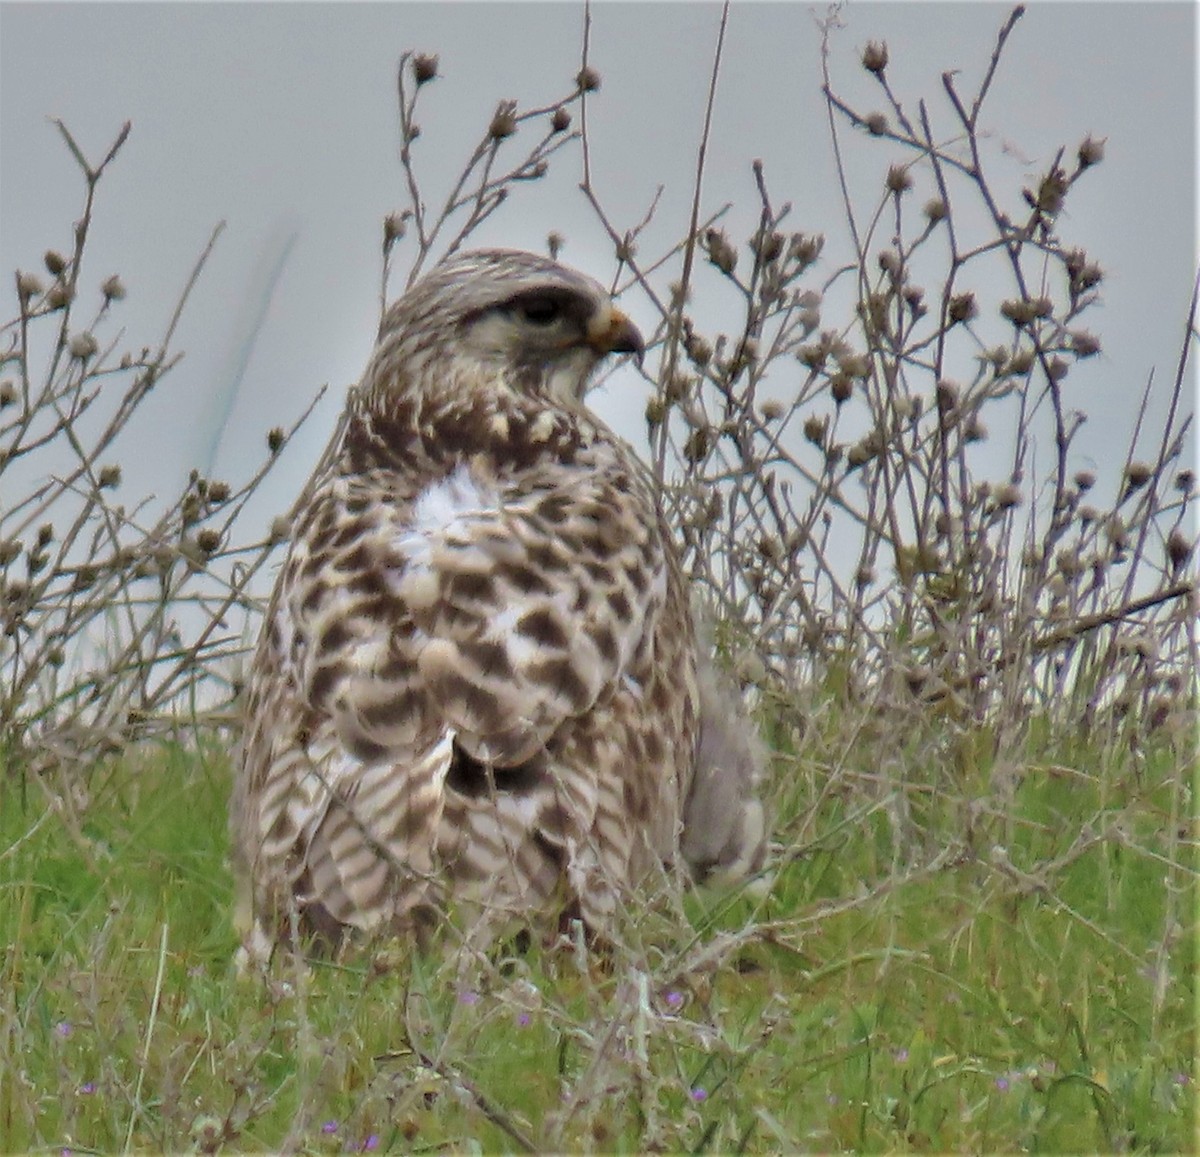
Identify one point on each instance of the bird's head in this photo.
(497, 319)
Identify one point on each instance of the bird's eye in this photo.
(539, 311)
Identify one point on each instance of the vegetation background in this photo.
(971, 651)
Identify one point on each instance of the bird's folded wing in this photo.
(508, 616)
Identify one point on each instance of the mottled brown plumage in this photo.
(478, 677)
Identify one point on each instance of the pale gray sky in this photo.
(280, 119)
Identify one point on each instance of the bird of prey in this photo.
(478, 684)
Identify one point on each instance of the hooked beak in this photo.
(611, 332)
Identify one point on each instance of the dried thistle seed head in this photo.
(1137, 474)
(936, 210)
(110, 477)
(841, 386)
(1057, 368)
(10, 550)
(424, 67)
(113, 288)
(864, 576)
(898, 179)
(656, 411)
(720, 252)
(1068, 562)
(28, 285)
(772, 410)
(699, 352)
(1091, 151)
(275, 439)
(768, 245)
(45, 534)
(875, 56)
(889, 262)
(587, 79)
(218, 492)
(876, 124)
(1087, 514)
(395, 225)
(560, 120)
(1185, 480)
(1021, 362)
(1084, 344)
(860, 453)
(1008, 496)
(855, 364)
(82, 346)
(961, 307)
(1179, 548)
(504, 120)
(1016, 310)
(815, 428)
(208, 540)
(59, 295)
(54, 261)
(947, 395)
(696, 448)
(554, 243)
(805, 248)
(280, 529)
(8, 394)
(1051, 193)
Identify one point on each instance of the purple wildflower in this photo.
(674, 999)
(468, 996)
(900, 1055)
(63, 1028)
(87, 1088)
(1002, 1084)
(523, 1019)
(1182, 1079)
(699, 1094)
(329, 1127)
(372, 1142)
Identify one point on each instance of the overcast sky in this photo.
(280, 119)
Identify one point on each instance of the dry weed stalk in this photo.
(113, 616)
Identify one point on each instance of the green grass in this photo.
(938, 964)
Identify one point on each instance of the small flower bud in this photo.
(8, 394)
(1085, 480)
(772, 410)
(876, 123)
(560, 120)
(424, 67)
(275, 439)
(110, 477)
(113, 288)
(936, 209)
(814, 429)
(587, 79)
(875, 56)
(55, 261)
(1184, 481)
(1084, 344)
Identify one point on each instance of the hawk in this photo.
(478, 682)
